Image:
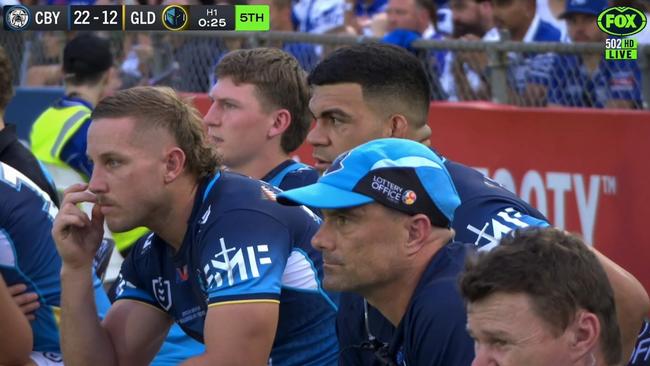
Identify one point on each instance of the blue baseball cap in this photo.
(400, 174)
(591, 7)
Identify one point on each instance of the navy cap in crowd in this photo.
(400, 174)
(87, 54)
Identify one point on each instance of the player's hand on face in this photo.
(26, 301)
(76, 235)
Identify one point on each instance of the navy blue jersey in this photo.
(28, 253)
(14, 153)
(291, 174)
(433, 331)
(241, 246)
(487, 212)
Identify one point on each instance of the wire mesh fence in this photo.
(524, 74)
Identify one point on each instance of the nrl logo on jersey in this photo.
(162, 291)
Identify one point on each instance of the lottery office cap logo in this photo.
(621, 21)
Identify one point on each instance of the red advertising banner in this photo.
(586, 170)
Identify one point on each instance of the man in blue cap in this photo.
(588, 80)
(388, 206)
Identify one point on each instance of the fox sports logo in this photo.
(17, 17)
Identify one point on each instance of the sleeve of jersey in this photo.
(242, 258)
(484, 223)
(130, 285)
(438, 335)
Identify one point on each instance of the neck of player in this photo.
(262, 163)
(170, 222)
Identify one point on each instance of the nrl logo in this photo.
(163, 293)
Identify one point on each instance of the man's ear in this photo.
(419, 230)
(583, 335)
(398, 125)
(174, 164)
(281, 121)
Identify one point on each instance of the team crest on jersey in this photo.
(162, 291)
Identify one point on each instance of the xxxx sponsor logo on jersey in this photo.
(232, 265)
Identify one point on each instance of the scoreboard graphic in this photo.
(136, 18)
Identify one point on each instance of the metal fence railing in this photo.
(526, 74)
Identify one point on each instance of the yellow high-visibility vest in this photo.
(53, 129)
